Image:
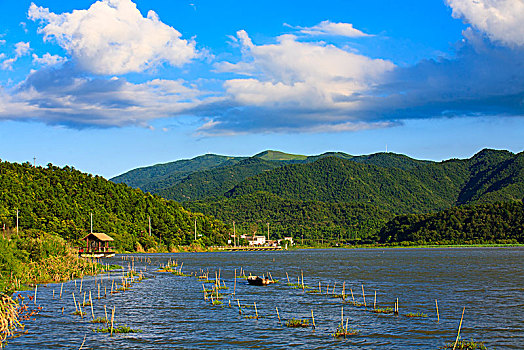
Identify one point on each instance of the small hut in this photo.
(97, 246)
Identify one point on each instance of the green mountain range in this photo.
(339, 196)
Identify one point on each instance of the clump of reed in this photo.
(418, 314)
(345, 331)
(9, 317)
(297, 323)
(465, 345)
(120, 329)
(100, 320)
(387, 310)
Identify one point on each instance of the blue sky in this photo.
(112, 85)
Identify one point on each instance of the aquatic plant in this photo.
(297, 323)
(387, 310)
(465, 345)
(121, 329)
(100, 320)
(344, 332)
(418, 314)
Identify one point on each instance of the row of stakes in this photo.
(215, 297)
(343, 330)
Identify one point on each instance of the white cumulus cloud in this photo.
(333, 28)
(48, 60)
(311, 75)
(112, 37)
(501, 20)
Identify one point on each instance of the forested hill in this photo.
(159, 176)
(60, 200)
(487, 177)
(469, 224)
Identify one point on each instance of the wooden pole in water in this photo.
(98, 285)
(319, 289)
(256, 311)
(352, 297)
(239, 308)
(344, 290)
(235, 285)
(278, 315)
(460, 325)
(327, 289)
(105, 312)
(287, 278)
(333, 292)
(302, 273)
(375, 301)
(342, 317)
(364, 296)
(81, 282)
(436, 305)
(36, 290)
(313, 318)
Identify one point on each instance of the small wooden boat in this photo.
(259, 281)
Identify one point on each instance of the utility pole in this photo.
(195, 231)
(268, 233)
(149, 218)
(234, 235)
(16, 220)
(34, 162)
(91, 214)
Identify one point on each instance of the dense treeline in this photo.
(310, 220)
(60, 200)
(467, 224)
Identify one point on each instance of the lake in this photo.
(171, 312)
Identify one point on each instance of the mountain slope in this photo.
(60, 200)
(153, 178)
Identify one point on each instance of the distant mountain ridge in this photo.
(213, 175)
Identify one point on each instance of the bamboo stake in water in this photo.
(239, 308)
(36, 290)
(112, 320)
(344, 290)
(436, 305)
(334, 288)
(375, 301)
(460, 325)
(302, 273)
(313, 319)
(278, 315)
(352, 297)
(319, 289)
(364, 296)
(81, 282)
(53, 293)
(256, 311)
(91, 302)
(74, 300)
(287, 278)
(98, 291)
(105, 312)
(235, 285)
(342, 317)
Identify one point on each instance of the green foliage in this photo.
(60, 200)
(215, 182)
(312, 220)
(481, 223)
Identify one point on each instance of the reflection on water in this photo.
(171, 313)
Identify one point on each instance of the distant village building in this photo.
(254, 240)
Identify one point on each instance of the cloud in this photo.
(48, 60)
(305, 84)
(64, 96)
(500, 20)
(112, 37)
(333, 29)
(21, 49)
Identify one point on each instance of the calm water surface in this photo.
(171, 313)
